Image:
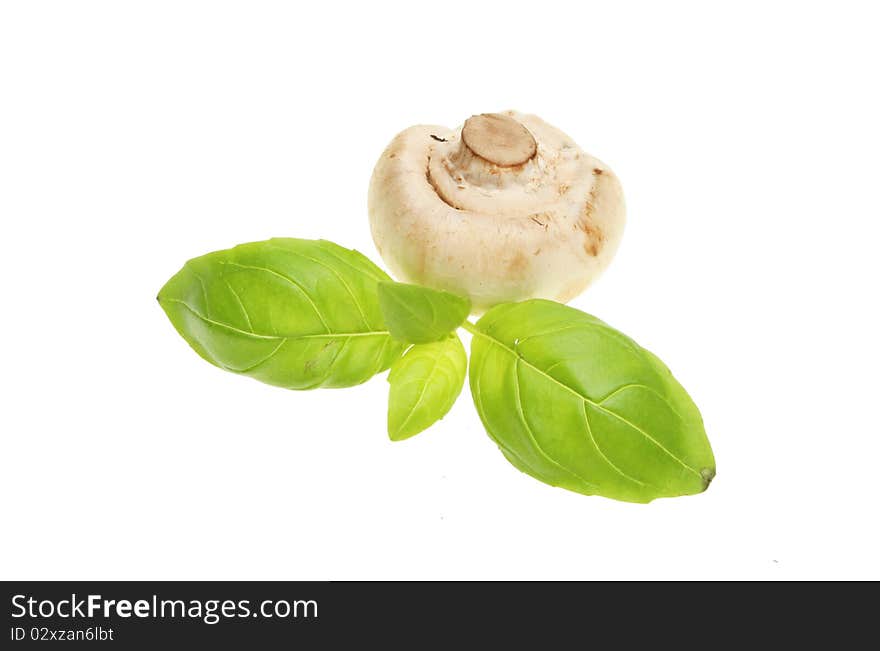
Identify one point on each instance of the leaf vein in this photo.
(585, 399)
(375, 274)
(321, 335)
(253, 367)
(647, 388)
(521, 413)
(647, 436)
(602, 454)
(478, 403)
(420, 398)
(289, 280)
(338, 277)
(240, 304)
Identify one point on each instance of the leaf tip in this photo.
(398, 435)
(708, 474)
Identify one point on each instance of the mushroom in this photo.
(505, 208)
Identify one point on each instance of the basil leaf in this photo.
(425, 383)
(576, 404)
(299, 314)
(419, 315)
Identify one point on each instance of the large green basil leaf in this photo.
(575, 403)
(419, 315)
(299, 314)
(425, 383)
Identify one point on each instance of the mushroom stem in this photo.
(499, 139)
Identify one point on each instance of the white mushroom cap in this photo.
(505, 208)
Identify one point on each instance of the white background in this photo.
(135, 135)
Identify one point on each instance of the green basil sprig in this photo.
(568, 399)
(299, 314)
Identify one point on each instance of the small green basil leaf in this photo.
(299, 314)
(425, 383)
(576, 404)
(419, 315)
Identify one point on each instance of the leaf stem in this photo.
(470, 327)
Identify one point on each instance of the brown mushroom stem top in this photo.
(499, 139)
